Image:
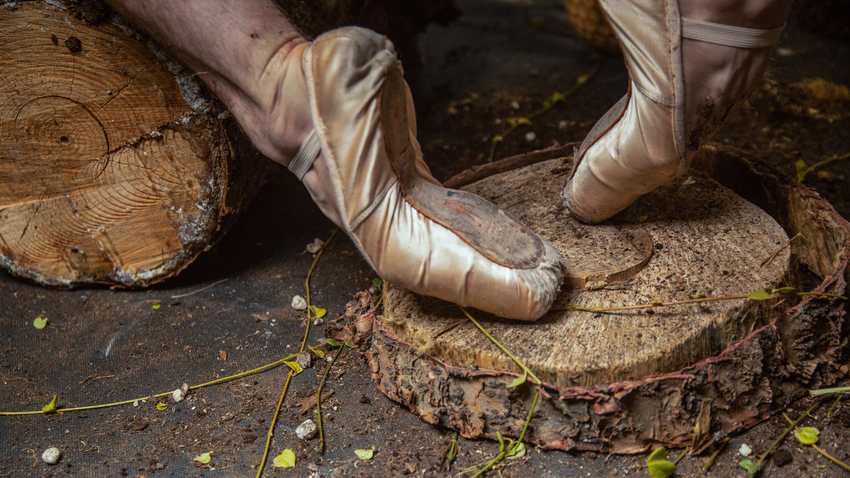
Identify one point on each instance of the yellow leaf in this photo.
(807, 435)
(295, 366)
(50, 407)
(365, 454)
(161, 406)
(286, 459)
(204, 458)
(40, 322)
(318, 312)
(156, 306)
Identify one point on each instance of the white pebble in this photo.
(318, 321)
(745, 450)
(51, 455)
(179, 394)
(315, 246)
(298, 303)
(514, 105)
(530, 136)
(562, 125)
(306, 430)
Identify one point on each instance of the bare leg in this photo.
(239, 49)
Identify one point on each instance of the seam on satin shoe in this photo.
(674, 19)
(368, 210)
(660, 99)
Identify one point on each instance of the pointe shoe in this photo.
(363, 167)
(685, 74)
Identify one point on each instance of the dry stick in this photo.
(785, 246)
(270, 433)
(527, 371)
(229, 378)
(476, 173)
(319, 400)
(829, 391)
(198, 291)
(820, 450)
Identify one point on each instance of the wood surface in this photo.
(628, 382)
(696, 239)
(114, 167)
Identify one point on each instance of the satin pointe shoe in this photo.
(685, 75)
(363, 167)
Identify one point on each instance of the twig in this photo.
(94, 377)
(447, 329)
(319, 399)
(785, 246)
(781, 438)
(477, 173)
(504, 349)
(270, 433)
(229, 378)
(829, 391)
(202, 289)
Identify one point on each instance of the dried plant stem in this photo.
(781, 438)
(519, 363)
(289, 376)
(229, 378)
(831, 458)
(324, 378)
(829, 391)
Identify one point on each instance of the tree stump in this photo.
(114, 167)
(622, 382)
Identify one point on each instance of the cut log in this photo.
(114, 168)
(625, 381)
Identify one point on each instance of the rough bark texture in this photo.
(799, 348)
(115, 167)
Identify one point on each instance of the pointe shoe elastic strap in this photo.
(307, 154)
(728, 35)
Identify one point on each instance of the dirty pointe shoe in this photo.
(362, 165)
(686, 71)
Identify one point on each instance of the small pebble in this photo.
(745, 450)
(514, 105)
(306, 430)
(298, 303)
(51, 455)
(179, 394)
(530, 136)
(562, 125)
(304, 359)
(782, 457)
(318, 321)
(315, 246)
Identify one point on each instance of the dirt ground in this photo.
(502, 58)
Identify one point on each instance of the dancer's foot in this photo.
(689, 61)
(363, 167)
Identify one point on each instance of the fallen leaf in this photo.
(161, 406)
(749, 466)
(317, 351)
(807, 435)
(40, 322)
(295, 366)
(516, 382)
(156, 306)
(203, 458)
(365, 454)
(222, 355)
(50, 407)
(286, 459)
(658, 465)
(318, 312)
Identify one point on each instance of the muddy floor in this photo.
(501, 59)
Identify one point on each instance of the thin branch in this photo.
(504, 349)
(319, 399)
(202, 289)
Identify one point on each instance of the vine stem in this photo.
(229, 378)
(829, 391)
(319, 399)
(285, 389)
(773, 446)
(820, 450)
(519, 363)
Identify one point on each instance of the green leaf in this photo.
(497, 138)
(161, 406)
(286, 459)
(658, 465)
(516, 382)
(318, 312)
(807, 435)
(802, 170)
(365, 454)
(295, 366)
(515, 121)
(749, 466)
(203, 458)
(317, 351)
(156, 306)
(50, 407)
(762, 294)
(40, 322)
(517, 450)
